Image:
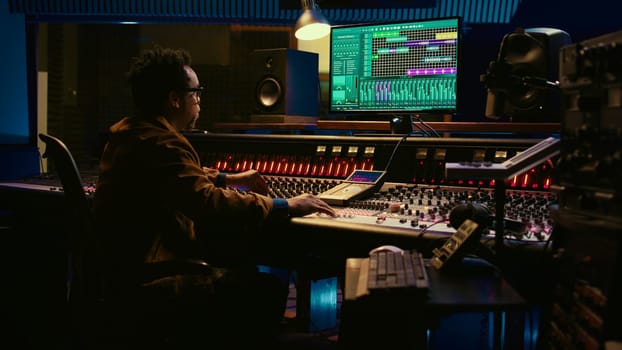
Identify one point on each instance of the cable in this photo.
(423, 231)
(425, 133)
(386, 168)
(418, 118)
(547, 245)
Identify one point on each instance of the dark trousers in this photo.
(232, 309)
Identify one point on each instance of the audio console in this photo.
(413, 199)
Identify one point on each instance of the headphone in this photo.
(476, 212)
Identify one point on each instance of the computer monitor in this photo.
(395, 68)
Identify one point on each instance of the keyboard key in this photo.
(390, 270)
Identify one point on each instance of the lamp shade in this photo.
(311, 24)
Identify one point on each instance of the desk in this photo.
(476, 293)
(403, 320)
(381, 126)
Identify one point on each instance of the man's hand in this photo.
(249, 180)
(307, 203)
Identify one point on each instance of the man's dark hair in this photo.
(154, 74)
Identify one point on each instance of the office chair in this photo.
(90, 312)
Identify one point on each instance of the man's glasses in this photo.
(197, 91)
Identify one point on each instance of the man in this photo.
(155, 202)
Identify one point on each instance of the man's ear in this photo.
(174, 100)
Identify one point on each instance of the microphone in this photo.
(516, 80)
(495, 104)
(497, 80)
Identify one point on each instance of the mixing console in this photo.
(416, 197)
(410, 208)
(422, 209)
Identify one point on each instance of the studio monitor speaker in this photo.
(286, 87)
(522, 81)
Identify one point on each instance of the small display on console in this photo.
(365, 176)
(359, 183)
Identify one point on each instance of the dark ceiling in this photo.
(273, 12)
(361, 4)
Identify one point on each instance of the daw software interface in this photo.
(410, 66)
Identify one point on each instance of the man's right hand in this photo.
(307, 203)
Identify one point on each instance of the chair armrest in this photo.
(160, 269)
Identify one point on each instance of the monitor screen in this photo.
(406, 66)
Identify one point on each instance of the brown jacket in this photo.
(152, 193)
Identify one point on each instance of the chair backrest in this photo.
(96, 315)
(85, 281)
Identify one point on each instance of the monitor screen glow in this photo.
(398, 67)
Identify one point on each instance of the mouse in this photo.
(386, 248)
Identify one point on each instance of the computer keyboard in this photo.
(396, 270)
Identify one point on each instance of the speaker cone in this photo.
(268, 92)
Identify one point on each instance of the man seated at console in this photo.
(155, 202)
